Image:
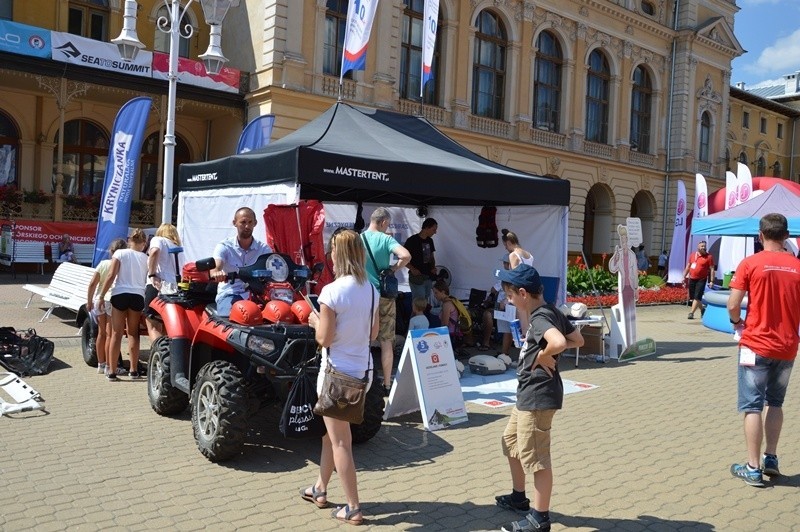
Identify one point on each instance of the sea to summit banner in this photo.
(126, 145)
(360, 14)
(81, 51)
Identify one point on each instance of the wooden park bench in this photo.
(28, 253)
(84, 253)
(68, 288)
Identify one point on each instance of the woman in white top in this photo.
(128, 276)
(344, 328)
(93, 303)
(516, 255)
(162, 267)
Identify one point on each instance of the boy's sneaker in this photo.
(529, 523)
(111, 377)
(134, 374)
(751, 477)
(101, 368)
(769, 465)
(507, 502)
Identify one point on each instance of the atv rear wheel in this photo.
(373, 416)
(219, 410)
(165, 399)
(88, 341)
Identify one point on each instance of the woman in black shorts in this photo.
(128, 275)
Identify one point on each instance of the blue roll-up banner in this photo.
(123, 154)
(256, 134)
(22, 39)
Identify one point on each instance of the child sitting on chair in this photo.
(418, 320)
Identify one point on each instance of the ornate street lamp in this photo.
(129, 45)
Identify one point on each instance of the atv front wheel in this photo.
(219, 410)
(373, 415)
(89, 341)
(165, 399)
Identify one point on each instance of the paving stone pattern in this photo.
(647, 450)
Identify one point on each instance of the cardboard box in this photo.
(592, 340)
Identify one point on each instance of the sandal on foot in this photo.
(348, 515)
(315, 495)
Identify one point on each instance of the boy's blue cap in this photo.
(523, 276)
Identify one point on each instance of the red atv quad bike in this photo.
(226, 368)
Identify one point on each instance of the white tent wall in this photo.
(205, 217)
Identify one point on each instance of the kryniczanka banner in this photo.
(360, 14)
(126, 145)
(430, 21)
(677, 254)
(256, 134)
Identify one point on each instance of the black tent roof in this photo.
(356, 154)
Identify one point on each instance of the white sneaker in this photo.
(101, 368)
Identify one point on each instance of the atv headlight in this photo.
(259, 344)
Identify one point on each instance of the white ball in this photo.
(505, 358)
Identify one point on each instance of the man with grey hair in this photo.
(381, 246)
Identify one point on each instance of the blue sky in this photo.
(770, 32)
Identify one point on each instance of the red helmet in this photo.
(301, 310)
(278, 311)
(246, 312)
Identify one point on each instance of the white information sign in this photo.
(427, 381)
(508, 314)
(634, 231)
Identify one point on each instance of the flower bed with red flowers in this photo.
(665, 295)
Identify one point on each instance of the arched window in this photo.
(335, 26)
(705, 138)
(89, 18)
(743, 158)
(547, 82)
(761, 167)
(148, 170)
(641, 105)
(9, 150)
(776, 169)
(489, 66)
(411, 55)
(85, 156)
(597, 90)
(161, 39)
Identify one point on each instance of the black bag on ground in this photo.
(24, 352)
(298, 419)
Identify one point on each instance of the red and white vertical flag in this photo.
(677, 254)
(360, 15)
(726, 245)
(430, 20)
(700, 209)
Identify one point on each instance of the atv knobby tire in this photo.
(165, 399)
(373, 416)
(219, 410)
(89, 342)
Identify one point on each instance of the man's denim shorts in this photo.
(767, 380)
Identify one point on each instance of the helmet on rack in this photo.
(278, 311)
(246, 312)
(301, 311)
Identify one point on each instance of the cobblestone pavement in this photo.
(647, 450)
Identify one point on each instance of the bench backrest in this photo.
(72, 280)
(28, 252)
(84, 253)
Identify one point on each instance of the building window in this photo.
(705, 138)
(9, 150)
(648, 8)
(161, 39)
(335, 26)
(85, 156)
(780, 131)
(761, 166)
(743, 158)
(411, 55)
(148, 172)
(764, 126)
(89, 18)
(776, 169)
(547, 82)
(597, 89)
(745, 120)
(489, 66)
(641, 103)
(6, 10)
